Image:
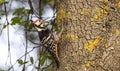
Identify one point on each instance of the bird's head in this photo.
(39, 25)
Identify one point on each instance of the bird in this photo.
(47, 39)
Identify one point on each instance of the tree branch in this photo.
(9, 52)
(32, 9)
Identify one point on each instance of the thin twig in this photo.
(34, 42)
(40, 8)
(32, 9)
(9, 52)
(26, 44)
(23, 56)
(25, 51)
(10, 3)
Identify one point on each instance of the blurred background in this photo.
(18, 38)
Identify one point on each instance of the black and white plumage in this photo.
(47, 39)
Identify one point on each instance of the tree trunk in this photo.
(91, 39)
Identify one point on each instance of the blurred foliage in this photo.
(4, 26)
(44, 56)
(2, 70)
(2, 1)
(21, 62)
(1, 12)
(31, 60)
(21, 17)
(54, 25)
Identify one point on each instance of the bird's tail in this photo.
(55, 56)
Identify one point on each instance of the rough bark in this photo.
(91, 39)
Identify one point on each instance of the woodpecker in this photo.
(47, 39)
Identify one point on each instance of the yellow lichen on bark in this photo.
(105, 0)
(85, 11)
(118, 4)
(117, 32)
(90, 45)
(72, 36)
(89, 63)
(99, 13)
(61, 14)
